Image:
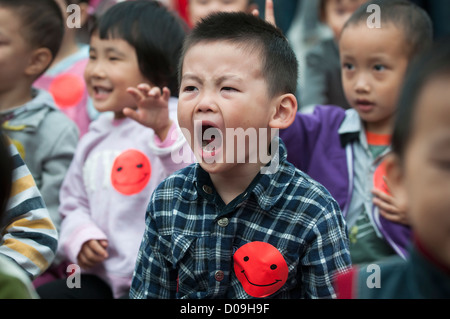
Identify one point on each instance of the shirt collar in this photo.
(351, 128)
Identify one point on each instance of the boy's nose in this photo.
(362, 84)
(206, 104)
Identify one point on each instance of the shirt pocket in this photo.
(190, 260)
(293, 282)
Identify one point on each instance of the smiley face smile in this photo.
(276, 280)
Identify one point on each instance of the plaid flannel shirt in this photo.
(191, 235)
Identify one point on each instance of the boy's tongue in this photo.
(209, 135)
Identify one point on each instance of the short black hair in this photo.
(405, 15)
(434, 63)
(6, 167)
(42, 21)
(156, 34)
(278, 60)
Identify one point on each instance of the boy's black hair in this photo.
(42, 22)
(156, 34)
(278, 61)
(6, 167)
(405, 15)
(435, 62)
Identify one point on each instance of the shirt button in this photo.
(219, 275)
(207, 189)
(223, 222)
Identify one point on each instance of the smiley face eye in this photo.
(246, 258)
(273, 266)
(119, 168)
(139, 165)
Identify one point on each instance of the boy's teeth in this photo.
(208, 146)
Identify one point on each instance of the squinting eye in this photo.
(190, 88)
(229, 89)
(379, 67)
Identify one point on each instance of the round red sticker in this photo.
(131, 172)
(378, 178)
(260, 268)
(67, 90)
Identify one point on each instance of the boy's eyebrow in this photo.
(190, 76)
(226, 77)
(221, 79)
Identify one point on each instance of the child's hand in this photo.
(92, 252)
(269, 12)
(152, 108)
(389, 207)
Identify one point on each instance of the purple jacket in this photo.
(315, 147)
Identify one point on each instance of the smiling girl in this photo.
(119, 162)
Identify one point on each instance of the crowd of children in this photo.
(166, 157)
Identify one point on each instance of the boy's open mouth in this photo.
(211, 139)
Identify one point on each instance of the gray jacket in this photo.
(46, 139)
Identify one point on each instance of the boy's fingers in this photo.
(269, 12)
(391, 217)
(382, 195)
(270, 15)
(387, 183)
(385, 206)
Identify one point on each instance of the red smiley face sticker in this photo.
(130, 172)
(260, 268)
(378, 178)
(67, 90)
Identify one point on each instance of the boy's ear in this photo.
(284, 114)
(40, 59)
(396, 180)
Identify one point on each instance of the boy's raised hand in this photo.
(389, 207)
(269, 12)
(152, 108)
